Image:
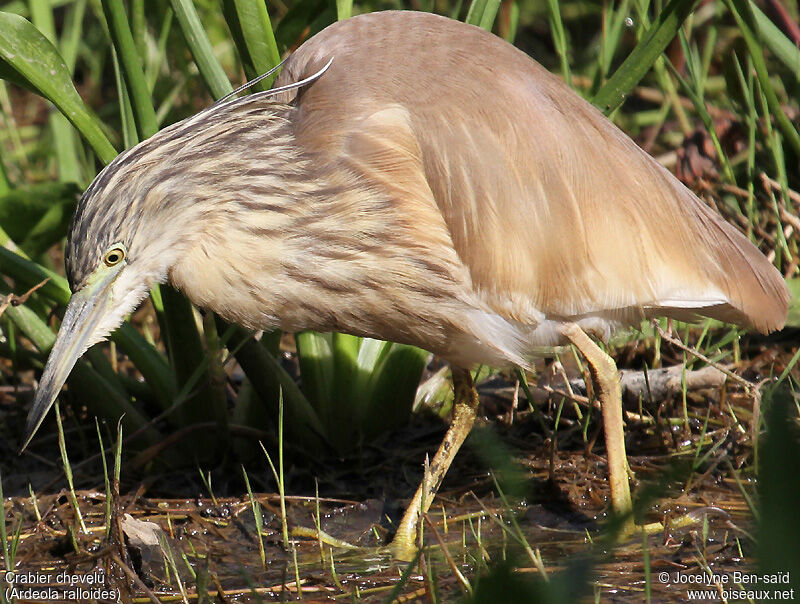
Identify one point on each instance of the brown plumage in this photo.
(435, 186)
(551, 208)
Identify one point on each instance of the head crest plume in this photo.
(272, 91)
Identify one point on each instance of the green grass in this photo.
(116, 72)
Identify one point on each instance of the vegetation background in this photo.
(708, 87)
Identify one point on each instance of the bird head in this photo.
(151, 204)
(115, 252)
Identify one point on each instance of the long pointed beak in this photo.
(85, 313)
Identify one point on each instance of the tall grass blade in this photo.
(774, 39)
(475, 12)
(62, 447)
(126, 117)
(644, 55)
(612, 35)
(257, 517)
(146, 122)
(63, 135)
(344, 9)
(29, 59)
(252, 31)
(693, 89)
(559, 38)
(359, 387)
(106, 481)
(200, 46)
(149, 361)
(315, 355)
(748, 26)
(390, 389)
(489, 14)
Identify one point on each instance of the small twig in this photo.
(786, 216)
(776, 186)
(15, 300)
(463, 581)
(220, 589)
(509, 419)
(742, 220)
(792, 220)
(583, 400)
(575, 398)
(560, 368)
(697, 354)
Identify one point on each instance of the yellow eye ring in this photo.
(114, 256)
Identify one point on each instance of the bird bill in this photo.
(83, 320)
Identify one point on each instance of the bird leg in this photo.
(605, 379)
(465, 408)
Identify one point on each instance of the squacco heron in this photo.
(434, 186)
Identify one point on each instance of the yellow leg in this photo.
(607, 389)
(404, 544)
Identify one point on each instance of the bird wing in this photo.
(551, 208)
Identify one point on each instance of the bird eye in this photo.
(114, 256)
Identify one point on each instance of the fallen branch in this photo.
(663, 384)
(697, 354)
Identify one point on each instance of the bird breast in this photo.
(340, 256)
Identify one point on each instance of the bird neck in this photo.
(252, 247)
